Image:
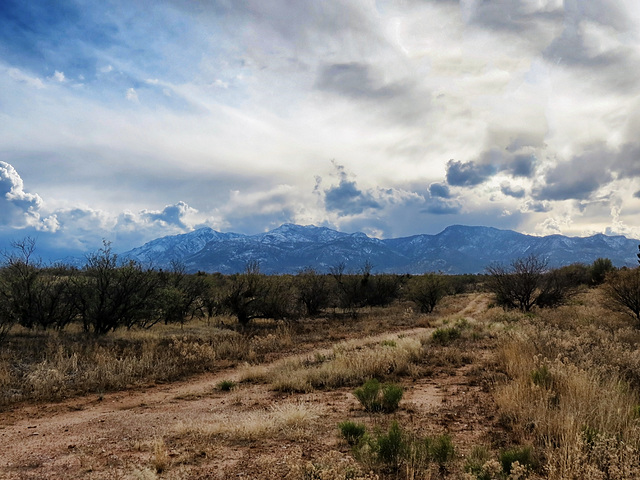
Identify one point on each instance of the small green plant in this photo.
(542, 377)
(523, 455)
(377, 397)
(352, 432)
(444, 336)
(441, 449)
(389, 343)
(226, 385)
(391, 396)
(392, 446)
(475, 462)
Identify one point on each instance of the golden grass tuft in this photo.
(291, 420)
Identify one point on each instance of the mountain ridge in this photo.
(456, 249)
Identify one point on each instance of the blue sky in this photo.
(127, 121)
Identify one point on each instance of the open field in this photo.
(556, 390)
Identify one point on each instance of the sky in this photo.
(130, 120)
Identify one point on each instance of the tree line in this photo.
(109, 293)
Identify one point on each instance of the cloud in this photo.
(347, 199)
(22, 77)
(18, 208)
(517, 192)
(132, 95)
(467, 174)
(577, 178)
(170, 215)
(627, 161)
(439, 190)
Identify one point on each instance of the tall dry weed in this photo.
(572, 391)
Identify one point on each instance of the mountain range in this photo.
(457, 249)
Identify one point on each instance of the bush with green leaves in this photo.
(397, 448)
(377, 397)
(446, 335)
(352, 432)
(523, 455)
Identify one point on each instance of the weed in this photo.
(377, 397)
(445, 335)
(352, 432)
(523, 455)
(226, 385)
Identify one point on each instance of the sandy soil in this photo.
(127, 434)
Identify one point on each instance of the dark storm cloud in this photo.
(439, 190)
(438, 206)
(467, 174)
(347, 199)
(522, 166)
(517, 192)
(627, 162)
(577, 178)
(637, 194)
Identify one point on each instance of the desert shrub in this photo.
(441, 449)
(445, 335)
(600, 268)
(391, 446)
(475, 462)
(111, 295)
(426, 291)
(313, 290)
(523, 455)
(396, 449)
(352, 432)
(377, 397)
(622, 289)
(226, 385)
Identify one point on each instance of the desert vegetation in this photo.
(523, 372)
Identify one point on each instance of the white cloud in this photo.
(59, 77)
(132, 95)
(22, 77)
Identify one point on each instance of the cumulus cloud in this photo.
(18, 208)
(439, 190)
(171, 214)
(467, 174)
(346, 198)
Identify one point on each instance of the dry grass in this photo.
(53, 365)
(348, 364)
(572, 391)
(290, 420)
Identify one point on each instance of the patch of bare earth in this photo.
(192, 429)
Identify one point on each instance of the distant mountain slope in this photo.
(457, 249)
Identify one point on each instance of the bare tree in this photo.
(622, 289)
(518, 285)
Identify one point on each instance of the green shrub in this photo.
(392, 446)
(441, 449)
(475, 462)
(226, 385)
(391, 396)
(352, 432)
(444, 336)
(541, 377)
(377, 397)
(523, 455)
